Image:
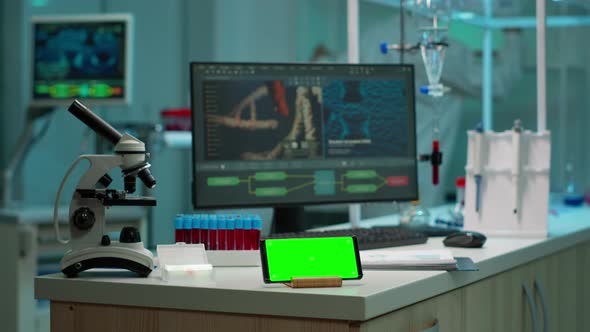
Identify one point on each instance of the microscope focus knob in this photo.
(129, 235)
(83, 218)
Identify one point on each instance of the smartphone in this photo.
(284, 259)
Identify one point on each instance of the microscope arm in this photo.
(99, 166)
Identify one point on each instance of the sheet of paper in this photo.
(407, 258)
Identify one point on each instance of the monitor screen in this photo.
(297, 134)
(83, 57)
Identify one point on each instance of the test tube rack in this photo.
(228, 239)
(514, 182)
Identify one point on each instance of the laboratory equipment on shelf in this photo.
(176, 119)
(513, 197)
(572, 196)
(453, 217)
(432, 45)
(516, 164)
(413, 214)
(477, 164)
(89, 245)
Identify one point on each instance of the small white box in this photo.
(182, 261)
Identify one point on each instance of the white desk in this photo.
(238, 297)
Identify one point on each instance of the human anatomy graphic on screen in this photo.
(283, 121)
(270, 120)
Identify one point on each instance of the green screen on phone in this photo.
(284, 259)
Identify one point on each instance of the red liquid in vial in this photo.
(179, 235)
(187, 236)
(239, 239)
(248, 237)
(221, 239)
(212, 239)
(255, 239)
(230, 239)
(195, 236)
(204, 238)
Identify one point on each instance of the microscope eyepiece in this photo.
(147, 178)
(94, 122)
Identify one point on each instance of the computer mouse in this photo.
(465, 239)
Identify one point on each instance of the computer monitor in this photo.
(285, 135)
(85, 57)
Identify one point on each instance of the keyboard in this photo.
(368, 238)
(431, 231)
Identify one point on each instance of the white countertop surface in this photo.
(242, 290)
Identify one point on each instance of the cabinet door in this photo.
(585, 279)
(446, 309)
(498, 303)
(562, 284)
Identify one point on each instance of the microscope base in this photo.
(133, 257)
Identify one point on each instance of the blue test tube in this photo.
(212, 232)
(178, 228)
(204, 233)
(256, 230)
(195, 229)
(248, 235)
(221, 232)
(231, 233)
(239, 232)
(187, 225)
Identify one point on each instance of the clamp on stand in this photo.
(435, 158)
(89, 246)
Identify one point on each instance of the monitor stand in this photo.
(288, 219)
(292, 219)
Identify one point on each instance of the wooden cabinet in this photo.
(557, 287)
(550, 292)
(585, 293)
(445, 310)
(496, 304)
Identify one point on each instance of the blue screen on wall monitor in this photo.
(80, 57)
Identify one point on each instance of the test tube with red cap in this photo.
(239, 232)
(221, 232)
(231, 232)
(204, 233)
(188, 224)
(212, 232)
(248, 236)
(195, 228)
(256, 229)
(179, 228)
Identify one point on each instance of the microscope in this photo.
(89, 246)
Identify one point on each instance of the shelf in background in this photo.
(500, 22)
(178, 139)
(523, 22)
